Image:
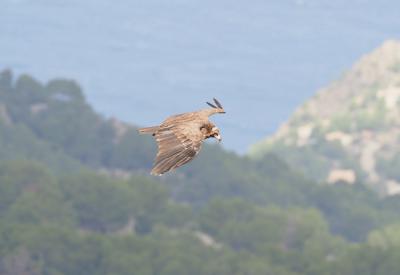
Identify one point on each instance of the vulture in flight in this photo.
(179, 137)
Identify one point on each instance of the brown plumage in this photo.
(179, 137)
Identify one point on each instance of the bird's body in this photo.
(179, 137)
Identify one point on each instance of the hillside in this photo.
(75, 198)
(349, 131)
(55, 119)
(53, 125)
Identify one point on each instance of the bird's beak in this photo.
(218, 137)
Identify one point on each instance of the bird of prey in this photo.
(179, 137)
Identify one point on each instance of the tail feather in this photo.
(148, 130)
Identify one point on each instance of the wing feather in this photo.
(171, 163)
(179, 141)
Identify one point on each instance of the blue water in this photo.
(142, 60)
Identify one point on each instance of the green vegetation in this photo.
(55, 117)
(73, 200)
(371, 116)
(389, 167)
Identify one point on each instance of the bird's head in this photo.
(216, 134)
(212, 131)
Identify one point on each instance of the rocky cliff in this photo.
(350, 130)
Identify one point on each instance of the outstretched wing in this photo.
(179, 141)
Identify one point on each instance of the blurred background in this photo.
(143, 60)
(306, 180)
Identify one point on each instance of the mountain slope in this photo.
(348, 131)
(51, 124)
